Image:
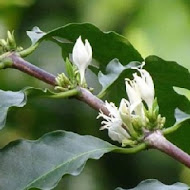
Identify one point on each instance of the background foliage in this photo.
(164, 33)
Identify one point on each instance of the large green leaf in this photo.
(166, 75)
(153, 184)
(106, 45)
(10, 99)
(42, 163)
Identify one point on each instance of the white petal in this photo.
(123, 106)
(132, 92)
(117, 133)
(89, 50)
(80, 55)
(148, 79)
(113, 123)
(146, 87)
(112, 109)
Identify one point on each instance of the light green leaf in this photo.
(42, 163)
(35, 35)
(153, 184)
(113, 70)
(182, 91)
(10, 99)
(180, 117)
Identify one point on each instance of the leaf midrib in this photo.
(70, 160)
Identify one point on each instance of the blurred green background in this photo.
(152, 26)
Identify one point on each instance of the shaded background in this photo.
(152, 26)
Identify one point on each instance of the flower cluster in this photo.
(134, 117)
(138, 114)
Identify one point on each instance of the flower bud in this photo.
(3, 43)
(82, 56)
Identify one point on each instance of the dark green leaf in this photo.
(166, 75)
(42, 163)
(153, 184)
(106, 45)
(10, 99)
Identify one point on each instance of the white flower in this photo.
(146, 86)
(113, 123)
(82, 56)
(129, 119)
(134, 97)
(125, 111)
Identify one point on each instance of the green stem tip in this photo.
(66, 94)
(132, 150)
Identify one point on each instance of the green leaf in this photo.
(106, 45)
(113, 70)
(10, 99)
(42, 163)
(166, 75)
(153, 184)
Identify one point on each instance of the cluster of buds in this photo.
(81, 58)
(136, 116)
(69, 82)
(9, 44)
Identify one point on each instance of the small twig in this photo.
(92, 101)
(84, 95)
(26, 67)
(158, 141)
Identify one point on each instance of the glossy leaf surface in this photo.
(42, 163)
